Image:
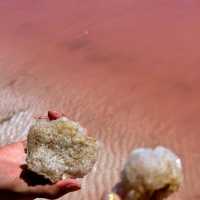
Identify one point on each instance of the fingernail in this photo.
(53, 115)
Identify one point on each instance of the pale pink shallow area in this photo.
(128, 70)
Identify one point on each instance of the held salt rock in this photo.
(60, 149)
(151, 174)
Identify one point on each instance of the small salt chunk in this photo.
(151, 173)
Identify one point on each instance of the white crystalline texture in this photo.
(151, 174)
(60, 149)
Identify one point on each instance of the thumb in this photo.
(70, 184)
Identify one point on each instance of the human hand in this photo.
(13, 186)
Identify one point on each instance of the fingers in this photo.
(52, 115)
(69, 184)
(57, 190)
(49, 191)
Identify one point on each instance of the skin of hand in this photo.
(12, 157)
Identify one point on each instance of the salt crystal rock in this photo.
(60, 149)
(151, 174)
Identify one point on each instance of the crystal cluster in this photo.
(60, 149)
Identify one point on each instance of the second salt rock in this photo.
(149, 172)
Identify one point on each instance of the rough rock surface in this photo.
(151, 174)
(60, 149)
